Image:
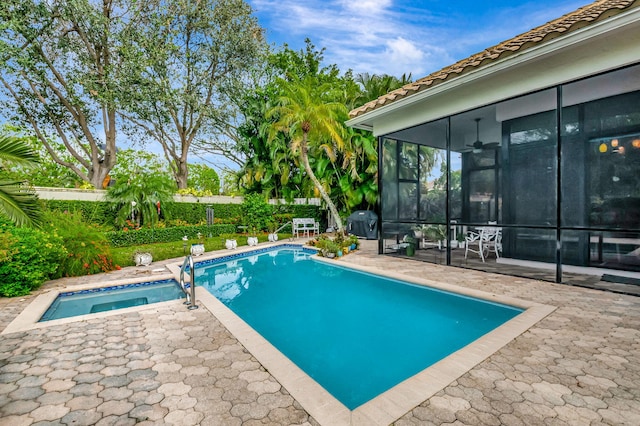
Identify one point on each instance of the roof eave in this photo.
(365, 120)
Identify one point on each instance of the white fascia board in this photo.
(367, 120)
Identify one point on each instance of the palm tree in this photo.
(376, 85)
(360, 159)
(141, 197)
(17, 203)
(307, 114)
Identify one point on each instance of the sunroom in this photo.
(526, 154)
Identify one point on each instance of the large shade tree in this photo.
(188, 58)
(17, 203)
(58, 69)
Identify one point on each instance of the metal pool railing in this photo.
(191, 291)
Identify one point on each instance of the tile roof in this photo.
(585, 16)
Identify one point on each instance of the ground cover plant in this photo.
(88, 250)
(28, 258)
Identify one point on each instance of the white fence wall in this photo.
(99, 194)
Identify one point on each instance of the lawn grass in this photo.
(123, 256)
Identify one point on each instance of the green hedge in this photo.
(98, 212)
(299, 210)
(101, 213)
(197, 212)
(165, 235)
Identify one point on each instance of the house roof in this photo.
(585, 16)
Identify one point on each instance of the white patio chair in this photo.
(493, 241)
(473, 241)
(484, 240)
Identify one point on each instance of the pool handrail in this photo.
(191, 293)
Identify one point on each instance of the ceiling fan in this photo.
(478, 146)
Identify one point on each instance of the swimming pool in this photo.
(356, 334)
(82, 302)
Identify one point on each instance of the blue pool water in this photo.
(83, 302)
(356, 334)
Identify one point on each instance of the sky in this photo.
(400, 36)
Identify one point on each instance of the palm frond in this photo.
(19, 204)
(15, 150)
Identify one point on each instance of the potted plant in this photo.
(355, 243)
(198, 248)
(333, 249)
(321, 244)
(437, 233)
(411, 247)
(252, 239)
(142, 258)
(273, 235)
(346, 248)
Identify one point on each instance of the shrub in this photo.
(256, 212)
(86, 244)
(101, 212)
(7, 245)
(165, 235)
(141, 197)
(98, 212)
(193, 213)
(32, 258)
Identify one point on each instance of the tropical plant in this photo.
(140, 199)
(87, 246)
(257, 213)
(350, 177)
(17, 203)
(307, 114)
(376, 85)
(359, 182)
(435, 232)
(44, 172)
(31, 258)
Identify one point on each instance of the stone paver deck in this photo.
(166, 365)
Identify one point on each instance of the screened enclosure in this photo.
(555, 175)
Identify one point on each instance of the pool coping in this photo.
(29, 317)
(320, 404)
(402, 398)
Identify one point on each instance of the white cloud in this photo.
(396, 37)
(365, 36)
(366, 6)
(403, 51)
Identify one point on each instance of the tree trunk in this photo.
(102, 163)
(98, 175)
(182, 174)
(304, 151)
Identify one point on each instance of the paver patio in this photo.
(167, 365)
